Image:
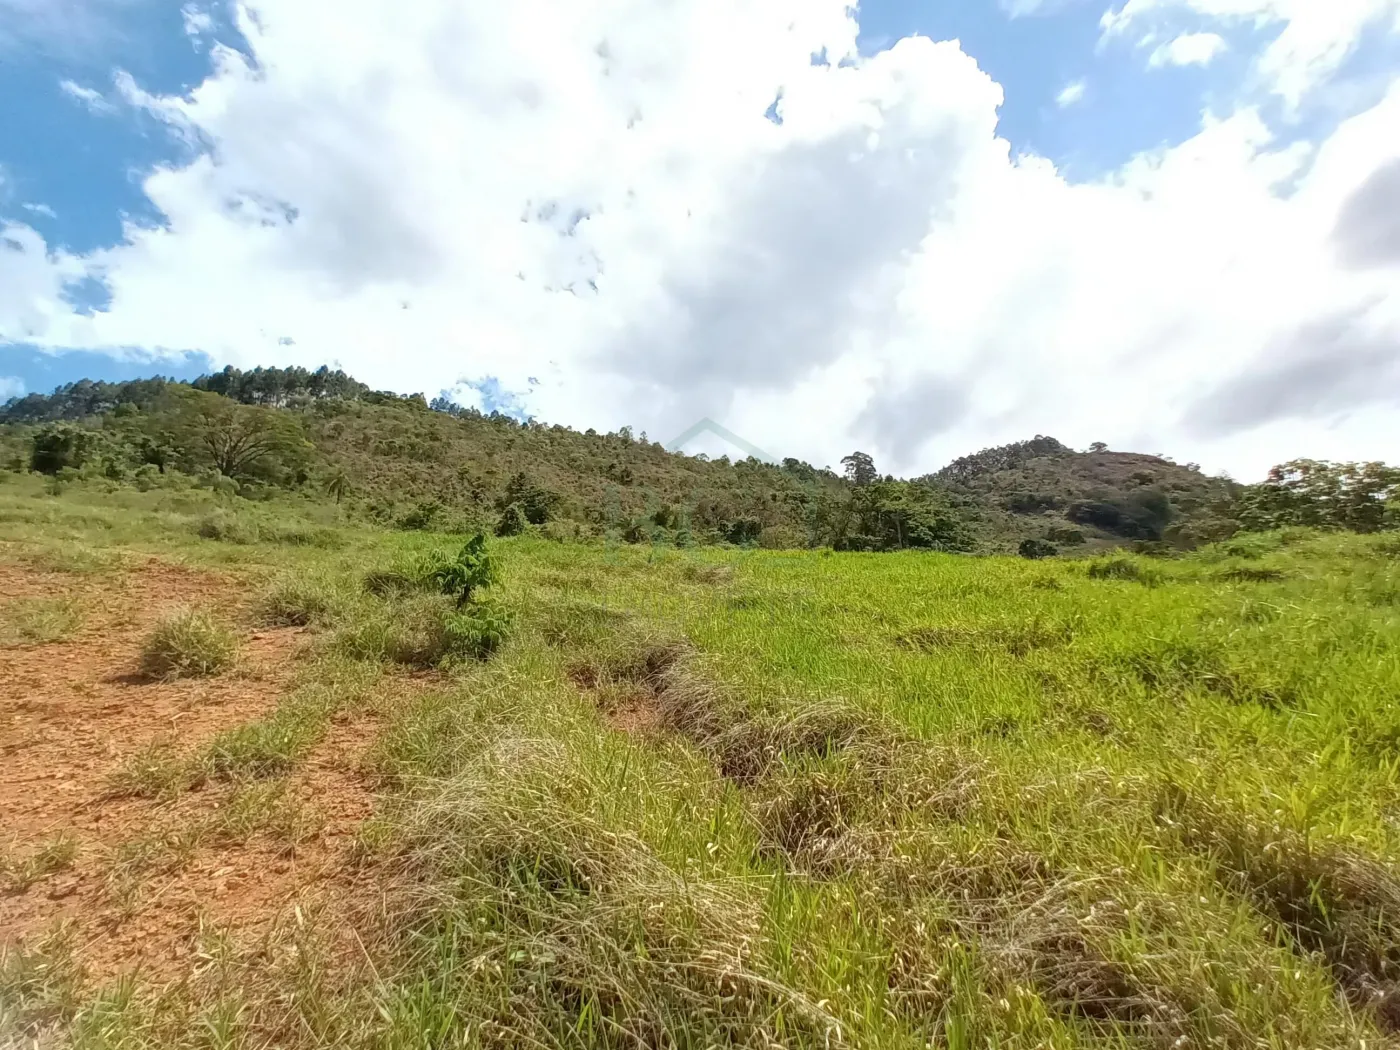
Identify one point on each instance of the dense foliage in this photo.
(408, 463)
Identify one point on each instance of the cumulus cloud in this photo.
(1072, 94)
(586, 205)
(1189, 49)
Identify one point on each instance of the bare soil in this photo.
(71, 712)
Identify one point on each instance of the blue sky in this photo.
(89, 91)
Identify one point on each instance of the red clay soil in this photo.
(71, 712)
(245, 890)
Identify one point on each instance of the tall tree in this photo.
(860, 469)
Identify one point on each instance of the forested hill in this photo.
(406, 462)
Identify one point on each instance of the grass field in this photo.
(696, 798)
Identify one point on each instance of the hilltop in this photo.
(410, 463)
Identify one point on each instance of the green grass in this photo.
(188, 644)
(884, 801)
(38, 621)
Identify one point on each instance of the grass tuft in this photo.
(188, 644)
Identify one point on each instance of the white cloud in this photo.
(1189, 49)
(10, 386)
(39, 209)
(1314, 38)
(1072, 94)
(583, 195)
(89, 97)
(197, 22)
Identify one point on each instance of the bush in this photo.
(1036, 549)
(426, 631)
(187, 644)
(512, 522)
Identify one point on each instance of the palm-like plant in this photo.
(338, 484)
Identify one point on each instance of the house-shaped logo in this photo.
(709, 426)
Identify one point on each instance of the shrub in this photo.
(187, 644)
(471, 569)
(512, 521)
(1124, 569)
(1036, 549)
(477, 631)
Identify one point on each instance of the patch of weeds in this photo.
(574, 933)
(156, 771)
(17, 874)
(426, 631)
(575, 625)
(1121, 568)
(1251, 574)
(74, 559)
(1175, 664)
(1046, 583)
(226, 527)
(258, 750)
(132, 862)
(261, 809)
(1332, 900)
(188, 644)
(38, 621)
(1018, 639)
(300, 601)
(39, 984)
(407, 574)
(695, 572)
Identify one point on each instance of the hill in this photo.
(405, 462)
(1043, 490)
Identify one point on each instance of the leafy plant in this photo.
(473, 568)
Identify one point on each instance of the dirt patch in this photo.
(247, 891)
(71, 712)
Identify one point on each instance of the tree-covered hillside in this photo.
(405, 462)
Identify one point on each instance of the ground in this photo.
(680, 798)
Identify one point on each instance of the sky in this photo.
(914, 227)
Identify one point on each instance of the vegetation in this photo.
(410, 464)
(649, 796)
(188, 644)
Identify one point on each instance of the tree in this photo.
(60, 447)
(241, 441)
(338, 485)
(1098, 446)
(860, 469)
(512, 522)
(1351, 496)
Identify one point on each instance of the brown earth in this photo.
(71, 712)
